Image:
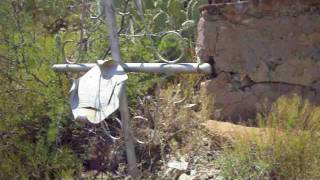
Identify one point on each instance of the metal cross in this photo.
(166, 68)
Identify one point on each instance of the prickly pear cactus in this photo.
(176, 11)
(160, 21)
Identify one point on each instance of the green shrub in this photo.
(290, 149)
(24, 160)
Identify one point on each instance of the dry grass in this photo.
(182, 112)
(179, 126)
(290, 150)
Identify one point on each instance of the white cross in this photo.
(166, 68)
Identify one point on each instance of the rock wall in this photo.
(261, 50)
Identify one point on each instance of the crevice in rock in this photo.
(247, 82)
(277, 82)
(214, 73)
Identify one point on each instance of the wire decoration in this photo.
(93, 10)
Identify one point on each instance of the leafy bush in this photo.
(29, 136)
(290, 149)
(23, 160)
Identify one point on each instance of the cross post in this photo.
(124, 110)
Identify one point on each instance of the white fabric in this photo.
(95, 95)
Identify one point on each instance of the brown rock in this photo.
(233, 132)
(261, 51)
(241, 104)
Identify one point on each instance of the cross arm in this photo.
(165, 68)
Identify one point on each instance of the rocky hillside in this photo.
(261, 50)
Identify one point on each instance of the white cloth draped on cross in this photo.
(95, 95)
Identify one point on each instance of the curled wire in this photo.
(181, 49)
(107, 130)
(149, 35)
(152, 132)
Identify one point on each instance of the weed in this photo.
(290, 149)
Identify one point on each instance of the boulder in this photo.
(260, 50)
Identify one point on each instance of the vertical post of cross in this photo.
(124, 111)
